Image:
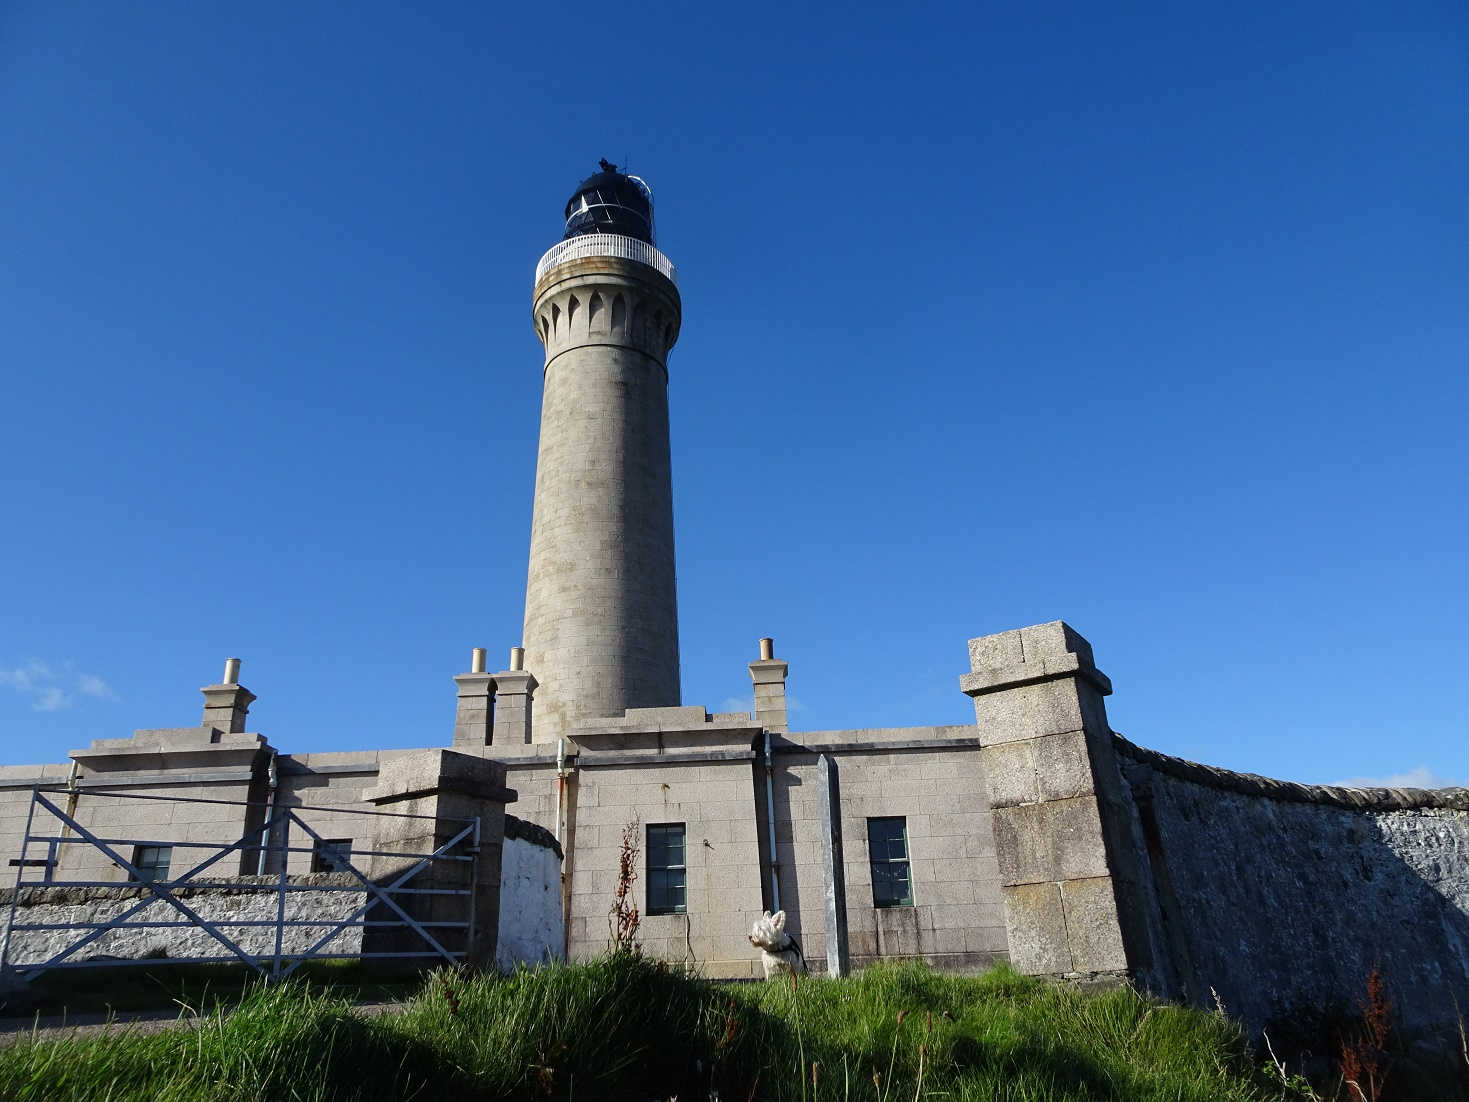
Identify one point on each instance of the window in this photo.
(666, 873)
(887, 851)
(152, 862)
(330, 854)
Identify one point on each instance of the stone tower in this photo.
(601, 615)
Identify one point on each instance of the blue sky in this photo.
(1150, 318)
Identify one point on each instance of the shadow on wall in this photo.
(1280, 899)
(783, 783)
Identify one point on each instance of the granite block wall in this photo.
(251, 899)
(1281, 898)
(16, 782)
(715, 803)
(932, 778)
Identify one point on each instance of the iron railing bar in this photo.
(156, 892)
(280, 912)
(383, 895)
(387, 853)
(243, 889)
(19, 872)
(145, 902)
(59, 840)
(227, 922)
(336, 809)
(153, 961)
(473, 880)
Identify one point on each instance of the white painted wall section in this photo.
(531, 931)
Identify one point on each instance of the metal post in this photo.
(269, 807)
(473, 889)
(280, 906)
(156, 889)
(832, 871)
(19, 872)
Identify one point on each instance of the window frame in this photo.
(884, 866)
(674, 897)
(146, 861)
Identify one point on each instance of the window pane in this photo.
(331, 854)
(887, 854)
(657, 891)
(152, 862)
(665, 848)
(886, 840)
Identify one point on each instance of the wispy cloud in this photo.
(738, 704)
(89, 684)
(1421, 777)
(51, 688)
(746, 704)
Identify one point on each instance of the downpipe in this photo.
(269, 809)
(562, 833)
(770, 823)
(73, 794)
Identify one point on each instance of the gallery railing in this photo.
(606, 244)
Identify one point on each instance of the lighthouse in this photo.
(601, 611)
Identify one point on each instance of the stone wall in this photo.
(531, 929)
(678, 769)
(247, 899)
(1282, 897)
(932, 778)
(16, 784)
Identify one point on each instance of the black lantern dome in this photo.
(611, 202)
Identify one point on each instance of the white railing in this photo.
(606, 244)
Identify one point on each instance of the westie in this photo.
(779, 952)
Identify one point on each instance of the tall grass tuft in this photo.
(625, 1027)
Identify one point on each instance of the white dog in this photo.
(779, 952)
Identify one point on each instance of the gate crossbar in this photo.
(159, 892)
(381, 894)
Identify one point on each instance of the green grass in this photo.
(201, 986)
(627, 1028)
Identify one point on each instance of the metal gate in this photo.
(406, 882)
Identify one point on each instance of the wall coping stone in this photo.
(658, 757)
(33, 894)
(131, 778)
(1048, 668)
(1251, 784)
(289, 767)
(798, 745)
(532, 833)
(687, 718)
(434, 772)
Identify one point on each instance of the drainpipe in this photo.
(269, 807)
(563, 838)
(770, 821)
(73, 794)
(560, 784)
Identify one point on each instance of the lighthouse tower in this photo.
(601, 615)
